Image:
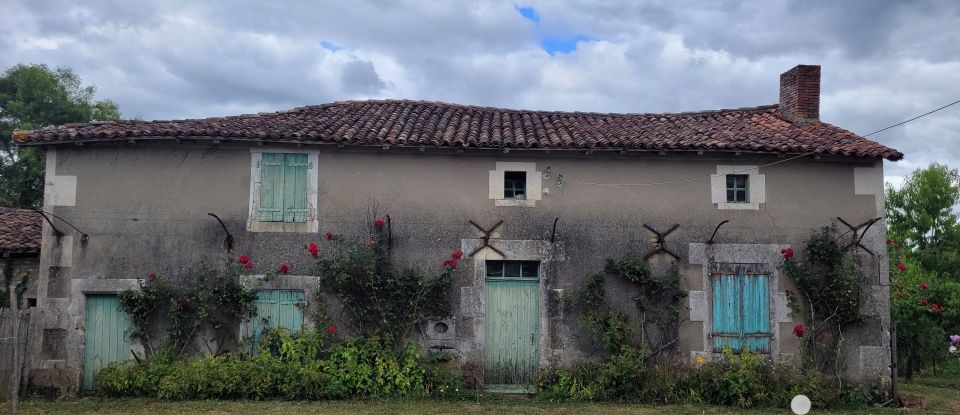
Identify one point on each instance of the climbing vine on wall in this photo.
(657, 301)
(829, 283)
(382, 301)
(214, 302)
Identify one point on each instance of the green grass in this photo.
(939, 395)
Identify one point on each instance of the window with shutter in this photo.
(741, 313)
(283, 187)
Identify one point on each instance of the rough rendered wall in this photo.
(145, 208)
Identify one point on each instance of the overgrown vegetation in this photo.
(291, 366)
(924, 253)
(657, 301)
(829, 283)
(382, 301)
(738, 380)
(214, 304)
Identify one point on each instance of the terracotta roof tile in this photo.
(20, 230)
(435, 124)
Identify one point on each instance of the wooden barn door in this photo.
(106, 336)
(511, 332)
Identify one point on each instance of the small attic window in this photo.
(737, 188)
(515, 185)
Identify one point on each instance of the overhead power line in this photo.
(696, 179)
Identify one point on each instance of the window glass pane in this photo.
(730, 180)
(514, 184)
(513, 269)
(741, 195)
(494, 268)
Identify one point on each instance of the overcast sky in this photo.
(883, 61)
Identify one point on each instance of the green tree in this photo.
(920, 215)
(31, 97)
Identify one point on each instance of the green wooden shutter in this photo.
(271, 187)
(741, 313)
(756, 313)
(277, 308)
(727, 319)
(295, 188)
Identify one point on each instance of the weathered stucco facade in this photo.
(144, 205)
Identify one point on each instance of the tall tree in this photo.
(31, 97)
(921, 216)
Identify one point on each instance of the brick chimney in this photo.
(800, 93)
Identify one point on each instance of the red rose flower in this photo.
(244, 259)
(935, 308)
(284, 268)
(453, 263)
(328, 236)
(787, 253)
(248, 265)
(924, 286)
(798, 330)
(314, 249)
(457, 254)
(889, 242)
(151, 277)
(901, 266)
(331, 329)
(379, 222)
(446, 263)
(924, 301)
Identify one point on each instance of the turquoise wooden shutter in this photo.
(741, 313)
(277, 308)
(756, 313)
(106, 336)
(727, 319)
(295, 188)
(271, 187)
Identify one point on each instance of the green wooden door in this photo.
(106, 336)
(511, 332)
(278, 308)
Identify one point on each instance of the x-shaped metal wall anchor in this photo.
(659, 242)
(858, 234)
(486, 238)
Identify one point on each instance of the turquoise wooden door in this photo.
(107, 332)
(278, 308)
(741, 313)
(512, 331)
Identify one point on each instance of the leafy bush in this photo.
(293, 366)
(739, 380)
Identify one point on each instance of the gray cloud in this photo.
(883, 61)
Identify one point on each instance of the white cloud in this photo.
(882, 62)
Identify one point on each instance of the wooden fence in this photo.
(15, 329)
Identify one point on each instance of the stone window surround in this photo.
(757, 192)
(763, 256)
(534, 191)
(312, 225)
(473, 298)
